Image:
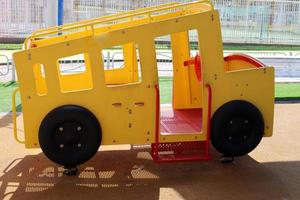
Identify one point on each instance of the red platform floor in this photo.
(183, 121)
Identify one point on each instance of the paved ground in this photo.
(272, 171)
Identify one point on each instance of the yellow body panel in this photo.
(101, 90)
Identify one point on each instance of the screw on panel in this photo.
(148, 132)
(176, 21)
(79, 145)
(29, 56)
(123, 32)
(68, 43)
(28, 97)
(129, 111)
(212, 17)
(61, 146)
(114, 141)
(79, 128)
(129, 125)
(61, 129)
(216, 77)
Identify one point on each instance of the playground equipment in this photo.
(228, 101)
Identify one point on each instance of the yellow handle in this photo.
(14, 112)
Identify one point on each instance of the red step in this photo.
(180, 151)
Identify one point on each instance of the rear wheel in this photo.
(70, 135)
(236, 128)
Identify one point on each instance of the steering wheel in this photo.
(196, 61)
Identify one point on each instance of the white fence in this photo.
(243, 21)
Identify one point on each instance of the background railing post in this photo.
(60, 12)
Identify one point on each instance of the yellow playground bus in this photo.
(228, 102)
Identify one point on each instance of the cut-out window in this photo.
(40, 79)
(193, 42)
(75, 73)
(164, 58)
(72, 64)
(121, 64)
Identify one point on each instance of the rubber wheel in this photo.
(70, 135)
(237, 128)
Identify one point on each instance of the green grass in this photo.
(10, 46)
(165, 87)
(290, 91)
(6, 96)
(287, 91)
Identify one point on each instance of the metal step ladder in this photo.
(181, 151)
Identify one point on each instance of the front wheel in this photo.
(70, 135)
(237, 128)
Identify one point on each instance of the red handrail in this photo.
(209, 99)
(157, 119)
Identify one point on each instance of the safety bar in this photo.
(14, 112)
(100, 19)
(83, 23)
(128, 15)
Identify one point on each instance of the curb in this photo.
(287, 100)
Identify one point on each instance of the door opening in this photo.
(180, 90)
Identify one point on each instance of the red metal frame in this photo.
(245, 58)
(155, 146)
(208, 117)
(157, 116)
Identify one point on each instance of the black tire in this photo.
(237, 128)
(70, 135)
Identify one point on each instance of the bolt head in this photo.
(230, 138)
(61, 129)
(79, 145)
(79, 128)
(61, 145)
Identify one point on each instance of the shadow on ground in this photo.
(7, 118)
(133, 175)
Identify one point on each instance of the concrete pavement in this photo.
(272, 171)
